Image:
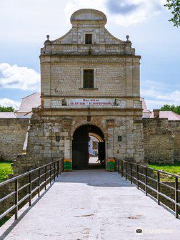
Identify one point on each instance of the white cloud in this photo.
(158, 94)
(31, 21)
(131, 14)
(124, 12)
(6, 102)
(75, 5)
(18, 77)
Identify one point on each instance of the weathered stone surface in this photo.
(12, 137)
(161, 140)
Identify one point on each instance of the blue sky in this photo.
(25, 24)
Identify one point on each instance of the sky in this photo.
(25, 24)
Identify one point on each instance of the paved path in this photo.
(95, 205)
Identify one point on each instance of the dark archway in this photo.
(80, 147)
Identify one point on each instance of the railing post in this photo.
(39, 182)
(137, 171)
(176, 197)
(119, 166)
(122, 169)
(158, 187)
(54, 165)
(57, 172)
(131, 171)
(30, 188)
(50, 173)
(16, 199)
(146, 180)
(126, 169)
(45, 176)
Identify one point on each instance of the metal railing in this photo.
(151, 181)
(29, 185)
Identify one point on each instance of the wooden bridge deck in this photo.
(93, 204)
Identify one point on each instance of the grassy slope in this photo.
(5, 169)
(174, 169)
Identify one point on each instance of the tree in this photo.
(6, 109)
(174, 6)
(173, 108)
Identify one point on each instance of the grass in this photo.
(5, 169)
(170, 168)
(2, 221)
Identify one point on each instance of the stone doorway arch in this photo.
(80, 147)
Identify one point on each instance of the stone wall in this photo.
(175, 129)
(51, 134)
(12, 136)
(161, 140)
(113, 77)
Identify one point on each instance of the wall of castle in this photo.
(161, 140)
(50, 136)
(175, 129)
(12, 136)
(113, 77)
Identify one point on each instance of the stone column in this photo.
(110, 140)
(66, 133)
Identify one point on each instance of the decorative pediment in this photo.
(93, 16)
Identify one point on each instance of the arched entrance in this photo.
(88, 147)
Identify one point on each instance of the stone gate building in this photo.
(90, 88)
(90, 85)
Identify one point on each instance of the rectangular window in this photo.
(88, 78)
(88, 38)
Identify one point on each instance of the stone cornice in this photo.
(79, 96)
(82, 55)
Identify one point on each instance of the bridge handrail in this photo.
(131, 171)
(50, 172)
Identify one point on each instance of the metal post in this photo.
(137, 170)
(122, 169)
(146, 180)
(50, 173)
(176, 197)
(39, 182)
(57, 171)
(30, 188)
(54, 165)
(131, 171)
(118, 166)
(45, 176)
(126, 170)
(158, 187)
(16, 199)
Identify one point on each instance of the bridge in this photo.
(92, 204)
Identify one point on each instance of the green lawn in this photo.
(5, 169)
(171, 168)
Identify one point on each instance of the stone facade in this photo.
(175, 129)
(114, 104)
(161, 140)
(12, 137)
(42, 135)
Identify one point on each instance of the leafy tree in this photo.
(173, 108)
(174, 6)
(6, 109)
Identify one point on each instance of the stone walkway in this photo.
(94, 205)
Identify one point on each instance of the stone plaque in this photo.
(91, 102)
